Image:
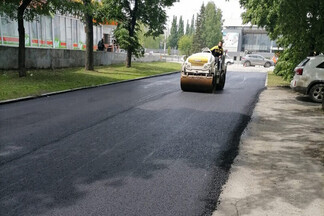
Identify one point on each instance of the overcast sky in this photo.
(230, 9)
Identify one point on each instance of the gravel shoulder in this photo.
(280, 166)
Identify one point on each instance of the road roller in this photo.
(203, 73)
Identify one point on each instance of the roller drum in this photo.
(197, 83)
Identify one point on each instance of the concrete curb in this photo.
(81, 88)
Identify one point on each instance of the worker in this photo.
(217, 52)
(101, 45)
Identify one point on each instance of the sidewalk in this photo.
(280, 166)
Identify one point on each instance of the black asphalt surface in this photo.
(137, 148)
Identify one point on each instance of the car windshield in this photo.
(303, 63)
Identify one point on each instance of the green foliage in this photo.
(208, 27)
(38, 7)
(274, 80)
(180, 29)
(212, 26)
(169, 50)
(42, 81)
(187, 28)
(198, 43)
(153, 43)
(192, 25)
(287, 61)
(297, 25)
(173, 38)
(149, 42)
(128, 13)
(126, 41)
(185, 44)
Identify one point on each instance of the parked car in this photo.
(254, 59)
(229, 60)
(309, 78)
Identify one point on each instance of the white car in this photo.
(229, 60)
(309, 78)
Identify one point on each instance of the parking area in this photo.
(241, 68)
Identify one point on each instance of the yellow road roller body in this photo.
(200, 73)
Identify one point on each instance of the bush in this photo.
(185, 44)
(287, 61)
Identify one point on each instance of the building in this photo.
(59, 32)
(239, 40)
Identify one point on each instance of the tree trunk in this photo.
(89, 38)
(21, 31)
(129, 58)
(21, 49)
(131, 32)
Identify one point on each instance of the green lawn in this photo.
(43, 81)
(274, 80)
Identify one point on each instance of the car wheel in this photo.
(316, 93)
(247, 64)
(267, 64)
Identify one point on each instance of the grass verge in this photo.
(274, 80)
(39, 82)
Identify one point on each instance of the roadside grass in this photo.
(39, 82)
(274, 80)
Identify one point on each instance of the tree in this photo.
(180, 29)
(185, 44)
(297, 26)
(192, 26)
(90, 13)
(198, 43)
(149, 42)
(128, 13)
(212, 26)
(21, 10)
(172, 40)
(88, 20)
(187, 28)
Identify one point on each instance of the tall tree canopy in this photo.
(173, 37)
(21, 10)
(192, 25)
(128, 13)
(180, 29)
(297, 25)
(212, 26)
(187, 28)
(198, 43)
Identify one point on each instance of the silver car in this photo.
(254, 59)
(309, 78)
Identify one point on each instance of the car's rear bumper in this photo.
(294, 86)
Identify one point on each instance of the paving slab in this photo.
(280, 166)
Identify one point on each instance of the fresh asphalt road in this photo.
(136, 148)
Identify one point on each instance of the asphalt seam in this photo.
(80, 88)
